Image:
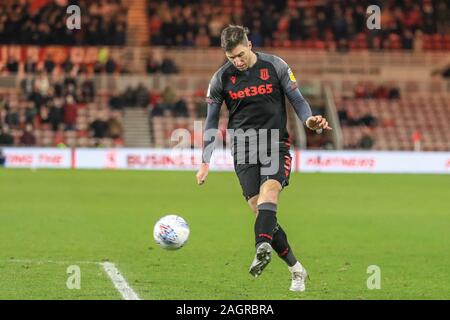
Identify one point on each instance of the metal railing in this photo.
(333, 119)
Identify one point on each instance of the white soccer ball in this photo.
(171, 232)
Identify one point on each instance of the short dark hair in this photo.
(232, 36)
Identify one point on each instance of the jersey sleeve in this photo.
(214, 99)
(290, 87)
(210, 131)
(215, 90)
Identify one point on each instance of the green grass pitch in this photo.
(337, 224)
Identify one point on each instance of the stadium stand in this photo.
(321, 25)
(61, 111)
(43, 23)
(393, 124)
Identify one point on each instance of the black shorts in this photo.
(252, 176)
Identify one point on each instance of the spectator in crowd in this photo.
(6, 139)
(12, 116)
(142, 96)
(30, 66)
(3, 106)
(370, 91)
(256, 37)
(12, 65)
(27, 85)
(36, 97)
(382, 92)
(408, 39)
(367, 120)
(104, 22)
(168, 100)
(44, 113)
(52, 105)
(87, 91)
(165, 66)
(157, 111)
(152, 65)
(446, 72)
(360, 91)
(189, 41)
(70, 113)
(338, 23)
(129, 97)
(49, 67)
(110, 66)
(202, 40)
(348, 119)
(443, 17)
(2, 159)
(120, 34)
(55, 114)
(42, 83)
(366, 142)
(114, 128)
(28, 138)
(49, 64)
(156, 38)
(394, 93)
(180, 109)
(99, 127)
(30, 112)
(168, 66)
(116, 102)
(67, 65)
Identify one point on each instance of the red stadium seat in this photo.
(427, 113)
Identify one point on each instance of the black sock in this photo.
(282, 247)
(265, 222)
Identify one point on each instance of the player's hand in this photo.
(202, 173)
(317, 123)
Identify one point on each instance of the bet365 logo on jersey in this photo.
(251, 91)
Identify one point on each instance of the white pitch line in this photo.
(119, 281)
(28, 261)
(113, 273)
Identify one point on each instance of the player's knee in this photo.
(253, 203)
(269, 196)
(269, 191)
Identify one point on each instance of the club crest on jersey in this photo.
(291, 75)
(233, 79)
(264, 73)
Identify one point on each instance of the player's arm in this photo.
(210, 132)
(214, 99)
(301, 106)
(303, 111)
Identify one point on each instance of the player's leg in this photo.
(265, 225)
(249, 178)
(281, 245)
(266, 219)
(274, 176)
(253, 203)
(248, 175)
(269, 193)
(279, 242)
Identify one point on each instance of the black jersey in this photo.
(255, 98)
